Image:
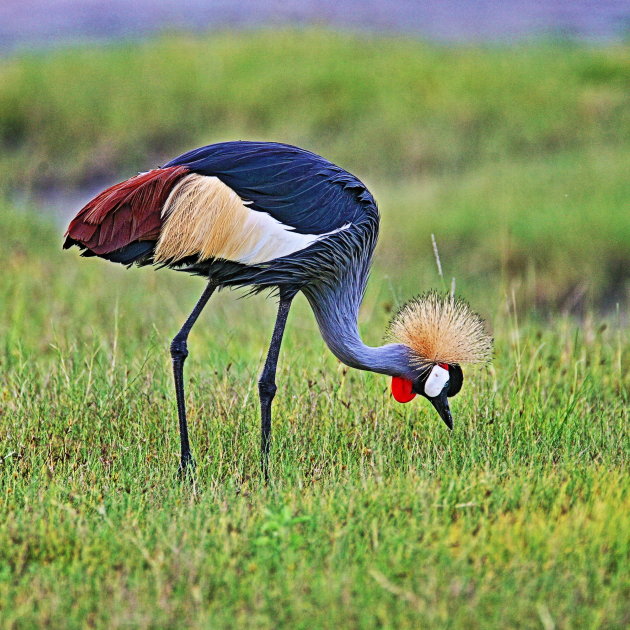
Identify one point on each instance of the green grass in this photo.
(377, 516)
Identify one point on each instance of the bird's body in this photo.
(258, 215)
(229, 210)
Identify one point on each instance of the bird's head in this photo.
(441, 333)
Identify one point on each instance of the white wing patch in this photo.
(435, 381)
(268, 238)
(206, 218)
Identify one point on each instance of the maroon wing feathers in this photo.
(125, 213)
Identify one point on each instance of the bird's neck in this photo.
(336, 309)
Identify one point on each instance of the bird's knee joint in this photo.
(267, 388)
(179, 349)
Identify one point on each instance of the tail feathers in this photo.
(123, 222)
(138, 252)
(135, 252)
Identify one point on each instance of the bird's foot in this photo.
(186, 468)
(264, 471)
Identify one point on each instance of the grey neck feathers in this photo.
(336, 309)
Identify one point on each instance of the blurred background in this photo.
(500, 126)
(37, 22)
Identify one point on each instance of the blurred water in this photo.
(25, 23)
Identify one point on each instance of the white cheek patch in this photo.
(435, 381)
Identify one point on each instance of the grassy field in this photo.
(377, 516)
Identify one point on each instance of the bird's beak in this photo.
(441, 404)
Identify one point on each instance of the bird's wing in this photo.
(248, 202)
(299, 189)
(125, 216)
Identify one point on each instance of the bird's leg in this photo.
(179, 352)
(267, 380)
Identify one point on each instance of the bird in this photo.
(272, 216)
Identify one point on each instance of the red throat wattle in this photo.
(402, 389)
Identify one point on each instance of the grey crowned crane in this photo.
(265, 215)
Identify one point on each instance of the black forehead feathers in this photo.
(455, 378)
